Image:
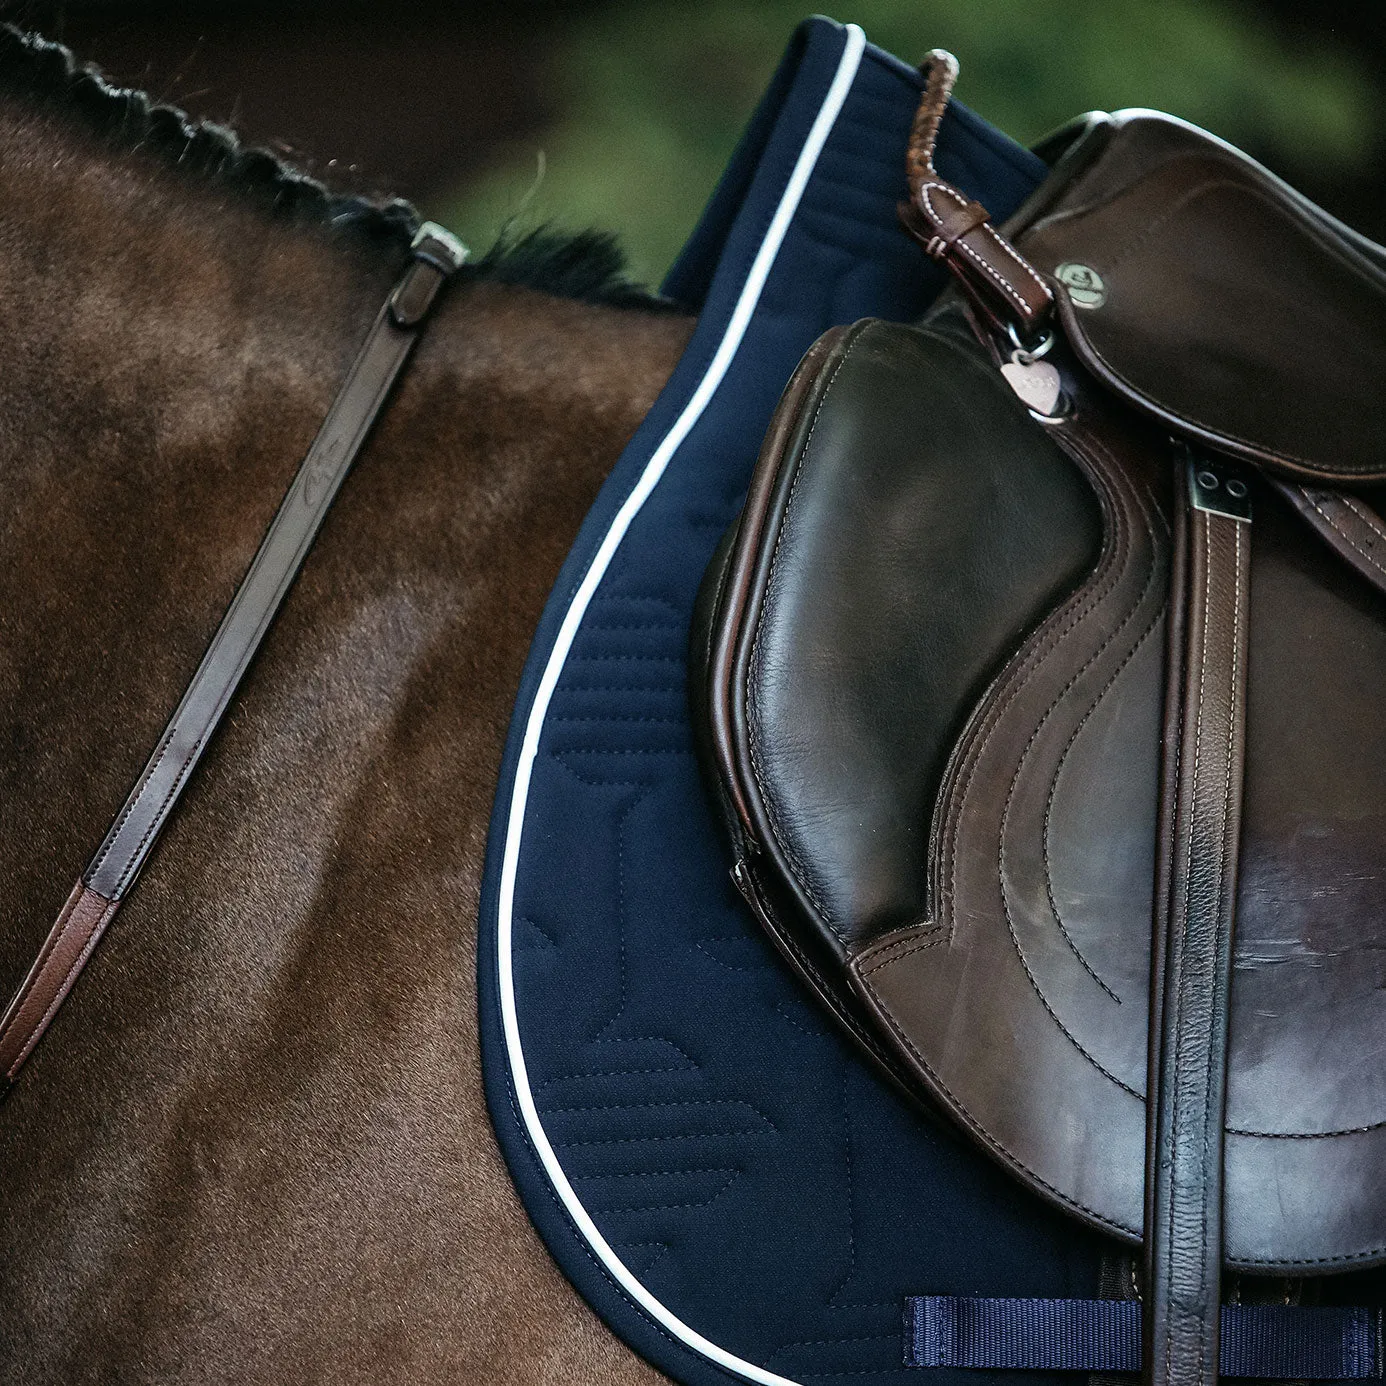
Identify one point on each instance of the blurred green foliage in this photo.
(653, 96)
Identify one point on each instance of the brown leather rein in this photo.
(434, 255)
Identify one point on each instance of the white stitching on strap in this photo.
(998, 241)
(1363, 514)
(977, 259)
(1367, 555)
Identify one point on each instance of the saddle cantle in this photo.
(1050, 642)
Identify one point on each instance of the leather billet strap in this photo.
(1351, 527)
(434, 255)
(956, 231)
(1205, 739)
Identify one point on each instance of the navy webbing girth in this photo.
(1276, 1341)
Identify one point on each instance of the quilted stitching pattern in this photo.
(742, 1160)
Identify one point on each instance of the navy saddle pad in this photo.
(720, 1175)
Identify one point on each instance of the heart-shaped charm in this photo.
(1037, 384)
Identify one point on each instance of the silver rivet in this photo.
(1084, 284)
(1208, 480)
(1236, 489)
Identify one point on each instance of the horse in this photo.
(253, 1144)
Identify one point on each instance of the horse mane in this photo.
(588, 266)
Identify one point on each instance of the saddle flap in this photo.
(1211, 296)
(954, 631)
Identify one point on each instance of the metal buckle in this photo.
(439, 247)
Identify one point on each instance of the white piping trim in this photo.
(649, 478)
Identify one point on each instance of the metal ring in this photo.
(1063, 411)
(1030, 353)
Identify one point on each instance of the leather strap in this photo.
(1350, 527)
(434, 255)
(957, 231)
(1206, 729)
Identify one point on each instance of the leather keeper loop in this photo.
(970, 218)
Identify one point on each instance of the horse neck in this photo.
(282, 997)
(169, 351)
(269, 1072)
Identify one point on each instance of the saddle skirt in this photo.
(952, 696)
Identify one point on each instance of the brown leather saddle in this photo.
(1042, 683)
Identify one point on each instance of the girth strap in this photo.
(434, 255)
(1283, 1342)
(1205, 725)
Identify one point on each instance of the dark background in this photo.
(621, 115)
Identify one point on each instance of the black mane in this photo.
(587, 266)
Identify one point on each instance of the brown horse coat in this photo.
(253, 1145)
